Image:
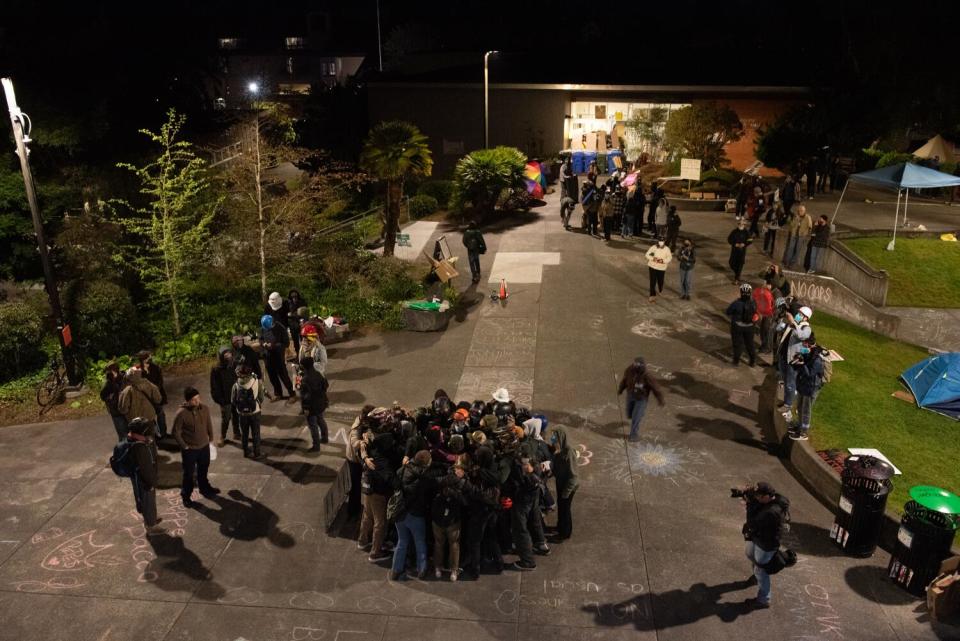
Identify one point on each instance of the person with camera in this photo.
(767, 513)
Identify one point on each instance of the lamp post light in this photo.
(486, 98)
(253, 87)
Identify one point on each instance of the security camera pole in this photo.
(21, 133)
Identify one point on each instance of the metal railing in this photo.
(349, 222)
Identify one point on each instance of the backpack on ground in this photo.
(245, 402)
(122, 461)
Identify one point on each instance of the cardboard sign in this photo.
(690, 168)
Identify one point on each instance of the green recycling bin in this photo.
(926, 533)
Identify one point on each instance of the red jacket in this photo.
(763, 297)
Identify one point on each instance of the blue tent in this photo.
(902, 177)
(935, 383)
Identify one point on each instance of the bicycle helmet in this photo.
(309, 330)
(745, 288)
(266, 321)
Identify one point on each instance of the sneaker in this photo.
(376, 557)
(453, 576)
(757, 603)
(439, 573)
(543, 549)
(798, 436)
(524, 567)
(188, 503)
(363, 546)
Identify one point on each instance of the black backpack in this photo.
(122, 462)
(245, 402)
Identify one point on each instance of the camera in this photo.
(740, 493)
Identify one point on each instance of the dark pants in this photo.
(482, 541)
(354, 498)
(120, 425)
(592, 222)
(811, 185)
(227, 414)
(769, 241)
(250, 426)
(523, 529)
(318, 428)
(161, 422)
(742, 337)
(755, 226)
(277, 371)
(474, 259)
(652, 220)
(787, 206)
(607, 227)
(656, 280)
(765, 323)
(146, 499)
(737, 258)
(195, 462)
(565, 517)
(672, 234)
(295, 335)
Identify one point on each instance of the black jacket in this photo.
(741, 311)
(449, 501)
(313, 392)
(246, 355)
(222, 378)
(145, 455)
(739, 236)
(417, 485)
(110, 392)
(765, 522)
(153, 373)
(275, 339)
(281, 315)
(687, 257)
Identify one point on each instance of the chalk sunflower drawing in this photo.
(654, 459)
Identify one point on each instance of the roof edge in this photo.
(599, 88)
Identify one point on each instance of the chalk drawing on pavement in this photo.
(652, 457)
(78, 553)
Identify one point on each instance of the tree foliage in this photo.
(702, 130)
(482, 175)
(648, 126)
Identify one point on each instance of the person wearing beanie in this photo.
(743, 316)
(638, 383)
(658, 257)
(193, 430)
(313, 400)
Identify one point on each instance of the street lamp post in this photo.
(486, 98)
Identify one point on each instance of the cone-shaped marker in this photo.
(503, 289)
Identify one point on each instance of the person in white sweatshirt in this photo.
(658, 257)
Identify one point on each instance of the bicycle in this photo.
(52, 388)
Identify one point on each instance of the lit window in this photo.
(290, 65)
(328, 68)
(294, 42)
(228, 43)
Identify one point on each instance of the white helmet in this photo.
(806, 311)
(275, 301)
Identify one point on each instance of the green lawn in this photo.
(923, 271)
(855, 409)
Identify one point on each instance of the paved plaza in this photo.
(656, 551)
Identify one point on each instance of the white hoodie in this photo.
(659, 257)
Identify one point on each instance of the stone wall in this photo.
(830, 295)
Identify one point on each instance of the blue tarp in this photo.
(906, 175)
(935, 383)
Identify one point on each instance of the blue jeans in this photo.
(636, 408)
(816, 253)
(120, 425)
(474, 259)
(686, 282)
(629, 222)
(805, 410)
(410, 526)
(758, 556)
(318, 428)
(789, 377)
(796, 246)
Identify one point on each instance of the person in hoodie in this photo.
(767, 512)
(143, 448)
(763, 299)
(243, 354)
(153, 373)
(417, 486)
(313, 400)
(379, 456)
(738, 239)
(277, 307)
(274, 340)
(687, 257)
(193, 430)
(110, 395)
(808, 364)
(295, 304)
(312, 346)
(223, 376)
(793, 331)
(247, 400)
(639, 384)
(483, 505)
(564, 467)
(140, 398)
(658, 257)
(446, 514)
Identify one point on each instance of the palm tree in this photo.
(395, 151)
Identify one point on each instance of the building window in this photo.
(228, 43)
(328, 68)
(290, 65)
(294, 42)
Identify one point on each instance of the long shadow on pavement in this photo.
(721, 429)
(241, 517)
(685, 385)
(174, 556)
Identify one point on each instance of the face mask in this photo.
(804, 350)
(659, 243)
(798, 318)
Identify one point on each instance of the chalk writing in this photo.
(661, 372)
(710, 371)
(63, 583)
(376, 604)
(652, 457)
(649, 328)
(312, 600)
(570, 585)
(299, 633)
(583, 455)
(240, 596)
(78, 553)
(436, 607)
(46, 535)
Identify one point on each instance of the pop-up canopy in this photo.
(902, 177)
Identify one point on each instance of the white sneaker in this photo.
(438, 573)
(453, 576)
(787, 415)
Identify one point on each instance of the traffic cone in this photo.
(503, 289)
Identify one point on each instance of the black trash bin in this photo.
(923, 541)
(863, 499)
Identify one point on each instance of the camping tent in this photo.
(902, 177)
(937, 147)
(935, 383)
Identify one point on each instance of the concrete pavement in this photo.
(656, 551)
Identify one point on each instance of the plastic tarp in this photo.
(906, 175)
(935, 383)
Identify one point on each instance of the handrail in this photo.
(348, 222)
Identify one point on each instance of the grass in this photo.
(923, 271)
(856, 409)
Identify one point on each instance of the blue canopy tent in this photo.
(902, 177)
(935, 383)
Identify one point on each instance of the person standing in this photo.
(564, 466)
(743, 314)
(222, 378)
(590, 201)
(247, 400)
(661, 216)
(143, 449)
(800, 228)
(658, 257)
(636, 203)
(763, 299)
(295, 305)
(473, 241)
(312, 346)
(766, 513)
(606, 216)
(819, 241)
(313, 400)
(278, 308)
(446, 521)
(811, 171)
(788, 194)
(568, 179)
(110, 395)
(673, 228)
(525, 511)
(243, 354)
(153, 373)
(795, 330)
(809, 366)
(273, 341)
(639, 384)
(779, 283)
(656, 195)
(739, 240)
(773, 217)
(687, 258)
(193, 430)
(416, 485)
(139, 398)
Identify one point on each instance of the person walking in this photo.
(153, 373)
(658, 257)
(110, 395)
(223, 376)
(687, 258)
(763, 299)
(193, 430)
(564, 466)
(800, 228)
(314, 402)
(819, 241)
(738, 239)
(273, 341)
(743, 314)
(416, 486)
(673, 228)
(139, 398)
(143, 449)
(247, 401)
(766, 513)
(808, 364)
(473, 241)
(639, 384)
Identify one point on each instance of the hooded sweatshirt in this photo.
(139, 398)
(222, 378)
(659, 257)
(251, 383)
(639, 383)
(564, 464)
(192, 427)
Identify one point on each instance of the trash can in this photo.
(863, 499)
(926, 532)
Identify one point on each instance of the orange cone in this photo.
(503, 289)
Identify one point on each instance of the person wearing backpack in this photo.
(247, 400)
(223, 375)
(767, 513)
(743, 314)
(638, 383)
(687, 257)
(811, 375)
(110, 395)
(313, 400)
(193, 430)
(473, 241)
(143, 470)
(140, 398)
(794, 330)
(243, 354)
